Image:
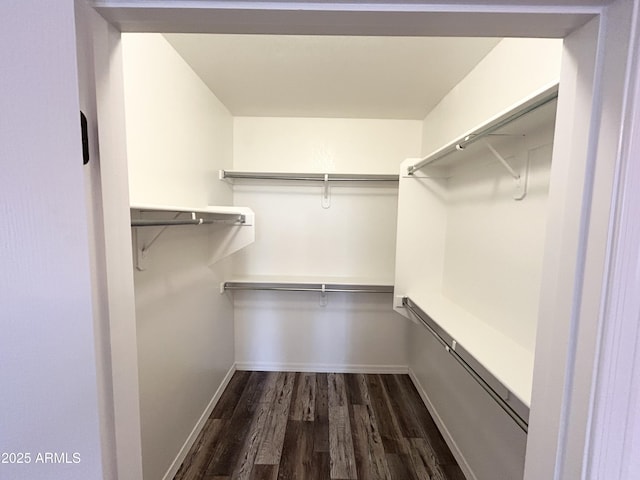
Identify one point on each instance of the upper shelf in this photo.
(323, 284)
(238, 232)
(307, 177)
(199, 215)
(325, 179)
(535, 114)
(314, 279)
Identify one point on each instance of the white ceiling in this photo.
(330, 76)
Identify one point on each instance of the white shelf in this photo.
(509, 135)
(235, 175)
(510, 363)
(248, 214)
(235, 228)
(322, 284)
(313, 279)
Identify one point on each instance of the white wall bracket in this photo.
(238, 231)
(141, 259)
(326, 194)
(520, 178)
(397, 301)
(324, 296)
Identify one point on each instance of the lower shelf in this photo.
(501, 367)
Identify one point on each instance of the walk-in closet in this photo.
(320, 239)
(299, 226)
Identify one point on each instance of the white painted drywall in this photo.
(485, 250)
(185, 342)
(295, 236)
(16, 79)
(49, 397)
(293, 331)
(181, 132)
(495, 245)
(178, 135)
(513, 70)
(323, 144)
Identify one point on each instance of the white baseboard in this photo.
(182, 454)
(320, 367)
(453, 446)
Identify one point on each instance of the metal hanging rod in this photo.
(483, 131)
(308, 287)
(308, 177)
(517, 410)
(239, 219)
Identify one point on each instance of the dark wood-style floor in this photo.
(308, 426)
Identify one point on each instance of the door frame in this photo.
(587, 304)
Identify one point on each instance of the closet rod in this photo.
(308, 287)
(451, 346)
(309, 177)
(482, 132)
(187, 221)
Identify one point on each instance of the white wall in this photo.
(487, 253)
(180, 132)
(49, 168)
(293, 331)
(295, 236)
(324, 144)
(514, 69)
(185, 342)
(178, 135)
(495, 245)
(49, 397)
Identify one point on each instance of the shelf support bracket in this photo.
(142, 251)
(326, 199)
(520, 179)
(501, 159)
(324, 299)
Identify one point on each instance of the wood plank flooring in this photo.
(319, 426)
